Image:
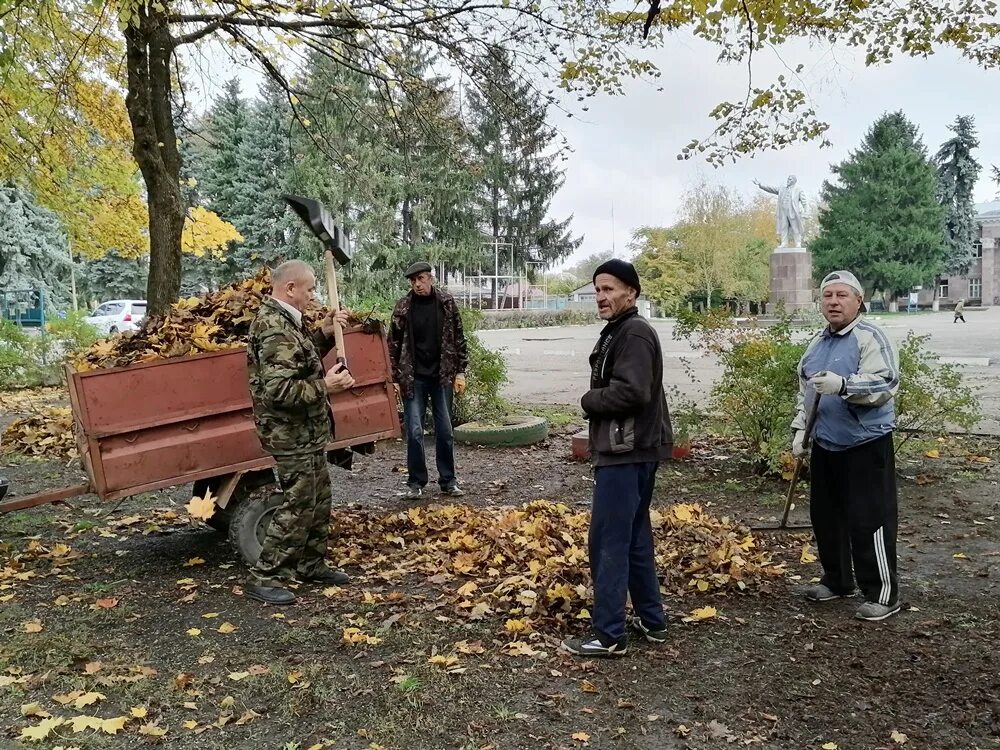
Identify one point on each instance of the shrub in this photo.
(759, 384)
(537, 318)
(27, 360)
(932, 397)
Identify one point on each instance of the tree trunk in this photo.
(149, 49)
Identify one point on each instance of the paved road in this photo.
(549, 365)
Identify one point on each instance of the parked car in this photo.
(118, 315)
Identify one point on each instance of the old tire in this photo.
(248, 524)
(511, 432)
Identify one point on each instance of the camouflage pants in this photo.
(295, 545)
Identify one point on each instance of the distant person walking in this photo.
(959, 309)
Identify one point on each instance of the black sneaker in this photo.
(453, 491)
(653, 635)
(593, 645)
(412, 492)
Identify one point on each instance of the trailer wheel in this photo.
(249, 521)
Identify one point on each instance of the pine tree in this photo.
(33, 249)
(883, 219)
(518, 155)
(957, 171)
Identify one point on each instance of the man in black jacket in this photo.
(429, 358)
(629, 435)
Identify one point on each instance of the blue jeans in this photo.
(414, 408)
(621, 548)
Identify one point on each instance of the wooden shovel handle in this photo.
(331, 289)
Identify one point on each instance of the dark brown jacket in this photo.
(626, 405)
(454, 352)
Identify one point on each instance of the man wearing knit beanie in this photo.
(629, 435)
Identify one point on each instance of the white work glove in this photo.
(828, 383)
(799, 444)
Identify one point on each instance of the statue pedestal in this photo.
(791, 279)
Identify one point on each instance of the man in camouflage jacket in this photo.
(429, 358)
(292, 413)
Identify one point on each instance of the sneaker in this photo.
(453, 491)
(874, 612)
(593, 645)
(412, 493)
(653, 635)
(820, 592)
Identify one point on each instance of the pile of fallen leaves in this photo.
(48, 433)
(530, 563)
(209, 323)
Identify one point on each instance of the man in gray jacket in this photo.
(629, 435)
(854, 369)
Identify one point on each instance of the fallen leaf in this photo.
(109, 603)
(807, 555)
(139, 712)
(34, 709)
(92, 667)
(42, 730)
(293, 676)
(88, 699)
(898, 737)
(33, 627)
(202, 508)
(440, 660)
(210, 615)
(195, 560)
(227, 627)
(704, 613)
(193, 632)
(960, 556)
(833, 745)
(588, 687)
(190, 724)
(581, 736)
(113, 726)
(83, 723)
(152, 730)
(935, 453)
(681, 730)
(237, 676)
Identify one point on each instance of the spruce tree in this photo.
(33, 250)
(261, 180)
(957, 171)
(219, 175)
(882, 218)
(518, 155)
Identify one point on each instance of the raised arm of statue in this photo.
(766, 188)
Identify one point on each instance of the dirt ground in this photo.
(119, 591)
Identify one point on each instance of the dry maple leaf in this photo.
(109, 603)
(202, 508)
(227, 627)
(581, 736)
(152, 730)
(139, 712)
(42, 730)
(113, 726)
(898, 737)
(88, 699)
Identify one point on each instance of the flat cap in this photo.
(421, 266)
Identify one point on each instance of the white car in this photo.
(118, 315)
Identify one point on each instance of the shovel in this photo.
(796, 469)
(334, 240)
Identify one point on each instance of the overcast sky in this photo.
(625, 147)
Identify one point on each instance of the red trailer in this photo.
(175, 421)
